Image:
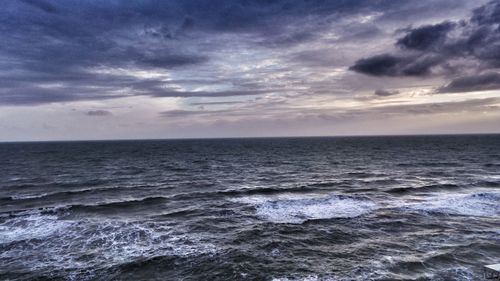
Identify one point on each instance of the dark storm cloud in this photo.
(391, 65)
(60, 42)
(487, 14)
(426, 37)
(481, 82)
(378, 65)
(440, 48)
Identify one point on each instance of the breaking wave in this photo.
(475, 204)
(299, 209)
(44, 242)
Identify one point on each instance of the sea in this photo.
(277, 209)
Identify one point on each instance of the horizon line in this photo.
(250, 137)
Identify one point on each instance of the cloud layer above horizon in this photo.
(154, 69)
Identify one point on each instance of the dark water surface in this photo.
(365, 208)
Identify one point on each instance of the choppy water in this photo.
(367, 208)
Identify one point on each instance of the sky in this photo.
(76, 70)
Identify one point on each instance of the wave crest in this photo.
(475, 204)
(41, 242)
(299, 210)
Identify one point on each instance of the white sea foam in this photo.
(361, 276)
(28, 196)
(304, 278)
(475, 204)
(45, 242)
(297, 209)
(34, 226)
(459, 273)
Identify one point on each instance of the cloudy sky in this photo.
(74, 69)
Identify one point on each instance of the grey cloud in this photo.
(426, 37)
(183, 113)
(232, 93)
(480, 82)
(59, 42)
(391, 65)
(98, 113)
(287, 113)
(286, 39)
(487, 14)
(444, 107)
(33, 95)
(385, 64)
(385, 93)
(169, 61)
(42, 5)
(471, 105)
(442, 47)
(217, 103)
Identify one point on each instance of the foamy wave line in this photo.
(65, 192)
(459, 273)
(291, 209)
(45, 242)
(483, 204)
(298, 208)
(33, 226)
(304, 278)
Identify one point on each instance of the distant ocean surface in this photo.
(346, 208)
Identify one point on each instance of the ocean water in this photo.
(347, 208)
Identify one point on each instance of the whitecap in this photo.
(303, 278)
(29, 196)
(46, 242)
(32, 226)
(299, 210)
(475, 204)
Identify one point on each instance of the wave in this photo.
(425, 188)
(60, 184)
(267, 190)
(430, 164)
(24, 197)
(32, 226)
(488, 183)
(141, 202)
(179, 196)
(245, 191)
(145, 202)
(19, 198)
(299, 210)
(364, 175)
(123, 205)
(45, 242)
(476, 204)
(303, 278)
(49, 195)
